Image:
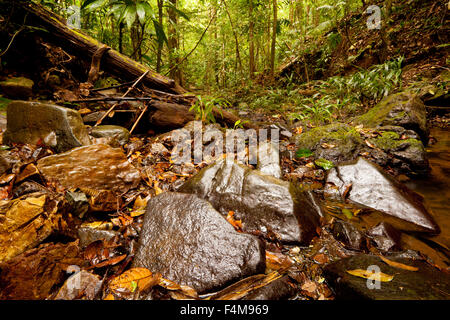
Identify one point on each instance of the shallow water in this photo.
(435, 188)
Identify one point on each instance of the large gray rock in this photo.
(121, 134)
(427, 283)
(402, 109)
(371, 187)
(17, 88)
(95, 167)
(57, 127)
(185, 239)
(266, 205)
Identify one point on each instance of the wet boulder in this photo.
(386, 237)
(121, 134)
(266, 205)
(348, 234)
(335, 142)
(96, 167)
(400, 148)
(185, 239)
(427, 283)
(17, 87)
(33, 122)
(24, 224)
(403, 109)
(269, 159)
(88, 235)
(366, 183)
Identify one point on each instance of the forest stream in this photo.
(435, 187)
(224, 150)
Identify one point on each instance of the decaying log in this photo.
(74, 40)
(170, 115)
(94, 72)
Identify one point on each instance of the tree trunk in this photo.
(251, 43)
(274, 39)
(175, 67)
(160, 44)
(75, 41)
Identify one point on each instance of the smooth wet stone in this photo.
(371, 187)
(403, 109)
(348, 234)
(33, 122)
(17, 88)
(386, 237)
(185, 239)
(23, 225)
(97, 167)
(78, 202)
(121, 134)
(427, 283)
(266, 205)
(269, 159)
(88, 235)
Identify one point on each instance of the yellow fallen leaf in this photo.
(99, 225)
(380, 276)
(135, 279)
(398, 264)
(109, 297)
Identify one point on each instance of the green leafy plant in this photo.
(203, 108)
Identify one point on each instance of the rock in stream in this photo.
(185, 239)
(370, 186)
(265, 204)
(54, 126)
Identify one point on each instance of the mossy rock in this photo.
(403, 109)
(407, 150)
(106, 82)
(18, 87)
(345, 138)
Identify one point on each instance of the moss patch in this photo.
(345, 139)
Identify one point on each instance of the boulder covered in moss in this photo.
(335, 142)
(402, 148)
(17, 87)
(403, 109)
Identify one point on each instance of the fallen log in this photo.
(74, 40)
(170, 115)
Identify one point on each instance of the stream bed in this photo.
(435, 187)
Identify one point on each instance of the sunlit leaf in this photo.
(135, 279)
(377, 276)
(325, 164)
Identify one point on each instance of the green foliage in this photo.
(203, 108)
(303, 153)
(325, 164)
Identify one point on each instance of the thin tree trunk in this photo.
(274, 39)
(160, 44)
(251, 42)
(175, 72)
(238, 55)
